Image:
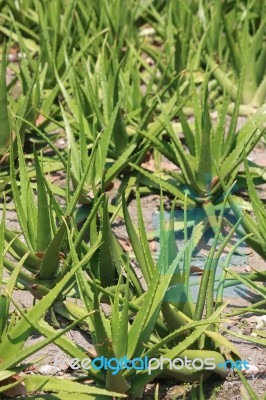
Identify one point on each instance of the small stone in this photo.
(247, 331)
(251, 320)
(261, 321)
(251, 371)
(48, 370)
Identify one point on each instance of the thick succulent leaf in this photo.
(44, 226)
(5, 297)
(134, 240)
(143, 378)
(145, 320)
(218, 338)
(169, 187)
(4, 119)
(14, 342)
(36, 383)
(258, 206)
(20, 249)
(50, 263)
(205, 165)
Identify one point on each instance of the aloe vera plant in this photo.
(172, 27)
(170, 333)
(168, 248)
(44, 226)
(173, 334)
(241, 33)
(54, 32)
(15, 330)
(101, 328)
(256, 228)
(87, 110)
(24, 106)
(48, 228)
(39, 28)
(164, 320)
(116, 338)
(38, 221)
(210, 153)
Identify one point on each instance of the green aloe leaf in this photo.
(108, 255)
(50, 263)
(54, 385)
(145, 320)
(143, 378)
(134, 240)
(14, 342)
(258, 206)
(4, 119)
(44, 227)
